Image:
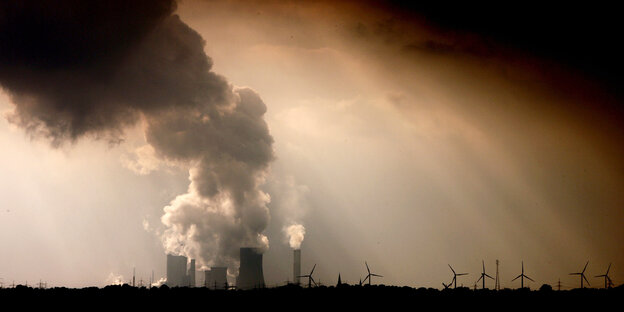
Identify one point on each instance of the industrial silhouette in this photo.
(250, 274)
(607, 279)
(177, 274)
(455, 275)
(522, 277)
(181, 274)
(216, 278)
(370, 275)
(582, 274)
(483, 276)
(310, 278)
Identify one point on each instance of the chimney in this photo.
(297, 266)
(191, 274)
(250, 272)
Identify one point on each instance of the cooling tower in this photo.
(250, 273)
(191, 274)
(176, 271)
(296, 266)
(217, 278)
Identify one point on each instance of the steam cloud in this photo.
(295, 234)
(77, 69)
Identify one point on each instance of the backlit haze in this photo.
(398, 138)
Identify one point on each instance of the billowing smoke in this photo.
(114, 279)
(160, 282)
(76, 69)
(295, 233)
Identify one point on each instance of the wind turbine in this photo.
(582, 274)
(522, 276)
(310, 278)
(483, 275)
(455, 275)
(608, 281)
(370, 275)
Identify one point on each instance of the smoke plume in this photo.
(295, 234)
(82, 69)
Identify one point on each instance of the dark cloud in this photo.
(580, 37)
(76, 68)
(83, 68)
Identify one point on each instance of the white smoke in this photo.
(295, 234)
(159, 282)
(114, 279)
(224, 208)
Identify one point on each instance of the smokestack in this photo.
(296, 266)
(250, 273)
(176, 271)
(191, 274)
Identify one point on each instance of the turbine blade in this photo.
(585, 267)
(609, 268)
(480, 278)
(451, 268)
(314, 267)
(367, 269)
(460, 274)
(489, 276)
(377, 275)
(367, 277)
(575, 273)
(600, 275)
(529, 278)
(516, 277)
(586, 280)
(483, 262)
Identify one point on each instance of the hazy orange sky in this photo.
(398, 138)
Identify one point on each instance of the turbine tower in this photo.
(522, 277)
(310, 278)
(455, 275)
(483, 275)
(582, 274)
(497, 283)
(370, 275)
(607, 279)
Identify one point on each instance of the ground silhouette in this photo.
(376, 297)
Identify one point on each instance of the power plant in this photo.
(250, 272)
(181, 272)
(177, 274)
(297, 266)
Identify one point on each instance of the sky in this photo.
(407, 137)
